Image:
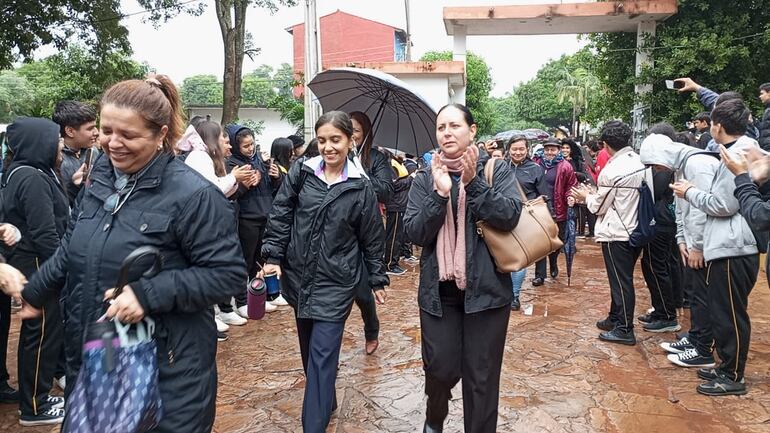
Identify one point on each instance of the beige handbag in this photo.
(534, 237)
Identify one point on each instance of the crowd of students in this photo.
(334, 217)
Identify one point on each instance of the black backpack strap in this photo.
(686, 158)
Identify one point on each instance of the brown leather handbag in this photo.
(534, 237)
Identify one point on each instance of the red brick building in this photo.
(347, 38)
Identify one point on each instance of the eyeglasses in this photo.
(116, 200)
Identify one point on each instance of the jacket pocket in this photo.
(152, 223)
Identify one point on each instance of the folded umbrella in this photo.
(117, 386)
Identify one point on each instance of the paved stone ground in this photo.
(557, 376)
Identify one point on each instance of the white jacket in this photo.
(201, 162)
(616, 201)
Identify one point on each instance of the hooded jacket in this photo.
(616, 201)
(498, 205)
(687, 163)
(33, 199)
(189, 220)
(726, 234)
(531, 177)
(565, 180)
(318, 234)
(253, 203)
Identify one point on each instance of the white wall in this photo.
(435, 89)
(274, 127)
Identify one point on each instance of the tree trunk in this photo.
(233, 37)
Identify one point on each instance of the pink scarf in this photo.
(450, 247)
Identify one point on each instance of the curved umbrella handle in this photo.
(132, 258)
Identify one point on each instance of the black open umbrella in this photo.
(401, 118)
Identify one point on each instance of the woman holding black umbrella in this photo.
(464, 302)
(377, 169)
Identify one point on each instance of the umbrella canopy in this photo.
(569, 243)
(401, 118)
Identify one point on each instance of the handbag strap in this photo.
(489, 174)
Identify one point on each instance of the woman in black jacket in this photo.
(464, 302)
(140, 195)
(376, 165)
(34, 200)
(324, 219)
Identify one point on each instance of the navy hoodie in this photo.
(253, 203)
(33, 199)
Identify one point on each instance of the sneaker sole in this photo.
(667, 347)
(675, 360)
(236, 323)
(395, 274)
(43, 422)
(666, 329)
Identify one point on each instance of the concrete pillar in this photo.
(645, 40)
(459, 54)
(312, 67)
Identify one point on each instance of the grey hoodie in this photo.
(688, 164)
(727, 234)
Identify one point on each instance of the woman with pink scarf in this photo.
(464, 301)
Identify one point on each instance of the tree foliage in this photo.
(75, 73)
(479, 84)
(26, 25)
(263, 87)
(721, 44)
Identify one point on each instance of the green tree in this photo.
(201, 90)
(16, 96)
(576, 86)
(26, 25)
(237, 42)
(479, 85)
(720, 44)
(75, 73)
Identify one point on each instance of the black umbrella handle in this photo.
(132, 258)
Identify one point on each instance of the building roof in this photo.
(291, 29)
(559, 18)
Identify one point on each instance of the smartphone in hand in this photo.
(674, 84)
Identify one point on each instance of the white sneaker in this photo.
(279, 301)
(221, 326)
(243, 311)
(232, 318)
(269, 308)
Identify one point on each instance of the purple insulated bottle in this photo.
(256, 297)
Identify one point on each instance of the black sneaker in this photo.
(680, 346)
(8, 394)
(647, 318)
(618, 336)
(722, 385)
(515, 305)
(707, 373)
(222, 336)
(53, 415)
(691, 358)
(538, 282)
(396, 270)
(662, 326)
(606, 324)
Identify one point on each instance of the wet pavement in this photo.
(557, 376)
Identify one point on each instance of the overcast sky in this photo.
(189, 45)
